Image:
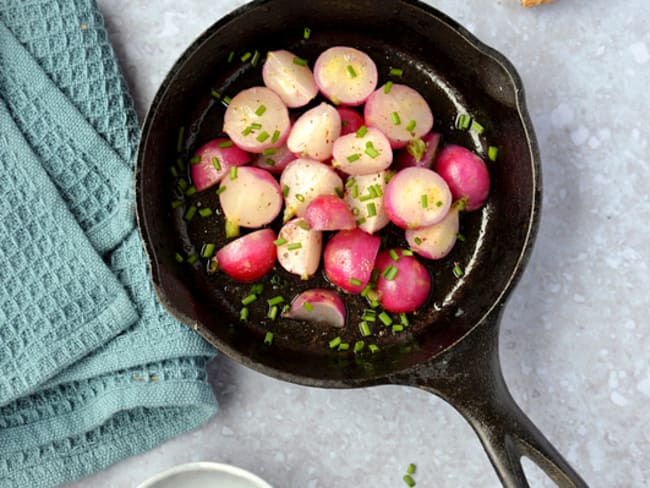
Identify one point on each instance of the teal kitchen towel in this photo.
(92, 369)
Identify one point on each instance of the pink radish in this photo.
(248, 258)
(314, 133)
(345, 75)
(302, 181)
(351, 120)
(418, 152)
(349, 259)
(437, 240)
(249, 197)
(299, 248)
(357, 154)
(401, 114)
(416, 197)
(329, 212)
(257, 119)
(466, 174)
(290, 78)
(404, 284)
(318, 305)
(364, 194)
(212, 162)
(274, 160)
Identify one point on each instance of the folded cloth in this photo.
(92, 369)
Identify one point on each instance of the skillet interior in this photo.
(455, 74)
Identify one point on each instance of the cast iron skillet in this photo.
(451, 347)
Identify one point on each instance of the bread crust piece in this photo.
(534, 3)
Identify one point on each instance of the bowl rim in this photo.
(204, 466)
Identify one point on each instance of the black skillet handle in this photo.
(469, 377)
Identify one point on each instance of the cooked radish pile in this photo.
(340, 168)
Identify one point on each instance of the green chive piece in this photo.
(269, 151)
(424, 199)
(177, 203)
(396, 119)
(215, 94)
(353, 157)
(195, 160)
(205, 212)
(306, 33)
(461, 237)
(173, 171)
(476, 127)
(358, 346)
(361, 221)
(372, 209)
(365, 198)
(192, 259)
(404, 320)
(260, 110)
(344, 346)
(246, 56)
(247, 300)
(294, 245)
(362, 131)
(269, 162)
(396, 72)
(355, 191)
(389, 176)
(397, 328)
(372, 189)
(221, 189)
(372, 152)
(231, 56)
(366, 290)
(335, 342)
(277, 300)
(350, 182)
(389, 272)
(273, 312)
(339, 192)
(256, 126)
(189, 215)
(377, 190)
(257, 289)
(439, 203)
(307, 306)
(181, 164)
(493, 153)
(299, 61)
(303, 224)
(191, 190)
(208, 250)
(216, 163)
(369, 318)
(300, 197)
(226, 100)
(233, 173)
(463, 121)
(285, 190)
(179, 142)
(256, 58)
(247, 131)
(385, 319)
(263, 136)
(407, 252)
(373, 348)
(280, 242)
(355, 211)
(418, 241)
(225, 144)
(179, 257)
(393, 255)
(411, 126)
(268, 338)
(458, 271)
(276, 136)
(364, 328)
(387, 87)
(243, 314)
(410, 469)
(374, 303)
(351, 72)
(408, 480)
(355, 282)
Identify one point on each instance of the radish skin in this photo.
(356, 155)
(275, 161)
(437, 240)
(345, 75)
(293, 83)
(329, 212)
(215, 162)
(318, 305)
(419, 152)
(314, 133)
(248, 258)
(408, 288)
(351, 120)
(300, 251)
(357, 191)
(349, 259)
(466, 174)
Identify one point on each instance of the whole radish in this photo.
(288, 76)
(313, 134)
(299, 248)
(349, 259)
(213, 161)
(466, 174)
(318, 305)
(345, 75)
(249, 257)
(403, 284)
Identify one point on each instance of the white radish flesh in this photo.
(299, 248)
(364, 155)
(318, 305)
(257, 119)
(435, 241)
(418, 152)
(364, 194)
(274, 160)
(292, 80)
(302, 181)
(349, 259)
(249, 197)
(345, 75)
(314, 133)
(214, 162)
(401, 114)
(248, 258)
(417, 197)
(329, 212)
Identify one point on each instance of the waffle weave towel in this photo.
(92, 369)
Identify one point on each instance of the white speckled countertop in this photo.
(575, 336)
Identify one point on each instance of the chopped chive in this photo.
(285, 190)
(362, 131)
(404, 320)
(269, 162)
(300, 197)
(366, 290)
(256, 58)
(243, 314)
(476, 127)
(374, 303)
(373, 191)
(181, 164)
(393, 255)
(344, 346)
(269, 151)
(493, 153)
(277, 300)
(460, 237)
(195, 160)
(303, 224)
(299, 61)
(205, 212)
(355, 191)
(189, 215)
(387, 87)
(173, 171)
(246, 56)
(411, 126)
(364, 328)
(355, 282)
(268, 338)
(335, 342)
(233, 173)
(410, 469)
(306, 33)
(179, 257)
(351, 72)
(353, 157)
(275, 279)
(177, 203)
(418, 241)
(397, 328)
(389, 176)
(407, 252)
(192, 259)
(225, 144)
(396, 72)
(273, 312)
(390, 272)
(372, 152)
(339, 192)
(260, 110)
(396, 119)
(374, 276)
(179, 142)
(439, 203)
(424, 199)
(307, 306)
(377, 189)
(280, 242)
(385, 319)
(372, 209)
(215, 94)
(216, 163)
(248, 299)
(221, 189)
(463, 121)
(409, 480)
(247, 131)
(191, 190)
(361, 221)
(365, 198)
(231, 56)
(208, 250)
(373, 348)
(257, 289)
(294, 245)
(276, 136)
(226, 100)
(350, 182)
(256, 126)
(458, 271)
(358, 346)
(263, 136)
(369, 318)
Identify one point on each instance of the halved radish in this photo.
(329, 212)
(274, 160)
(289, 77)
(248, 258)
(314, 133)
(302, 181)
(349, 259)
(257, 119)
(299, 248)
(345, 75)
(399, 112)
(403, 284)
(418, 152)
(466, 174)
(361, 155)
(364, 194)
(437, 240)
(416, 197)
(211, 162)
(318, 305)
(351, 120)
(249, 197)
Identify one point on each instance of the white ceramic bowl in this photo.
(205, 475)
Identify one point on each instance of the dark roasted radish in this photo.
(403, 284)
(288, 76)
(349, 259)
(248, 258)
(314, 133)
(466, 174)
(318, 305)
(364, 152)
(212, 162)
(329, 212)
(345, 75)
(299, 248)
